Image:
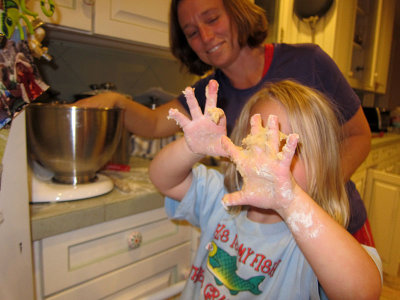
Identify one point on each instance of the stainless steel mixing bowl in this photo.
(72, 142)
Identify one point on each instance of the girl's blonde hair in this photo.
(312, 117)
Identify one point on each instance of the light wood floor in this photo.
(391, 288)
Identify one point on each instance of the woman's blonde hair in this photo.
(313, 117)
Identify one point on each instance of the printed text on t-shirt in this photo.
(258, 261)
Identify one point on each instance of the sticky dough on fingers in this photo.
(215, 114)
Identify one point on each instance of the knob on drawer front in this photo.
(134, 240)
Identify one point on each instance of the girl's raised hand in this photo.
(267, 179)
(204, 131)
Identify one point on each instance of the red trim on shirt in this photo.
(364, 235)
(269, 53)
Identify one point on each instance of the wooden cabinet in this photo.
(378, 181)
(382, 46)
(371, 45)
(384, 154)
(382, 192)
(135, 20)
(357, 34)
(99, 261)
(143, 22)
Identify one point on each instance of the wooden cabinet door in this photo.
(145, 22)
(371, 55)
(382, 46)
(382, 192)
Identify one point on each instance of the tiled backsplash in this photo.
(76, 65)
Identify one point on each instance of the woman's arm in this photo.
(139, 119)
(356, 144)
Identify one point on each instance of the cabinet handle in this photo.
(134, 240)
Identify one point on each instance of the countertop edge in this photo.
(72, 220)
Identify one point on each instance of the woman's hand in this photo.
(102, 100)
(267, 179)
(203, 133)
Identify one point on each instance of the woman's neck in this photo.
(247, 69)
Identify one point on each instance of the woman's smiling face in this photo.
(209, 32)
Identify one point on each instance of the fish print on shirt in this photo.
(223, 267)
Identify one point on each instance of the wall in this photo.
(77, 64)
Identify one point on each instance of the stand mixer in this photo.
(67, 145)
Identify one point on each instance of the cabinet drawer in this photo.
(74, 257)
(136, 280)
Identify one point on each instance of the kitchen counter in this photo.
(49, 219)
(383, 138)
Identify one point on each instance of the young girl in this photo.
(288, 240)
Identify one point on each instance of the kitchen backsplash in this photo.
(77, 65)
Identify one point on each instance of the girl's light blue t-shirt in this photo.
(238, 258)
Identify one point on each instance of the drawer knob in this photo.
(134, 240)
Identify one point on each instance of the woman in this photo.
(226, 37)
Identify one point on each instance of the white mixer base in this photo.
(49, 191)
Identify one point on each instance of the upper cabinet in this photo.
(143, 22)
(357, 34)
(371, 44)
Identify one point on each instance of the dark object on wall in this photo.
(310, 11)
(310, 8)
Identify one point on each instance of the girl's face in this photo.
(268, 107)
(209, 32)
